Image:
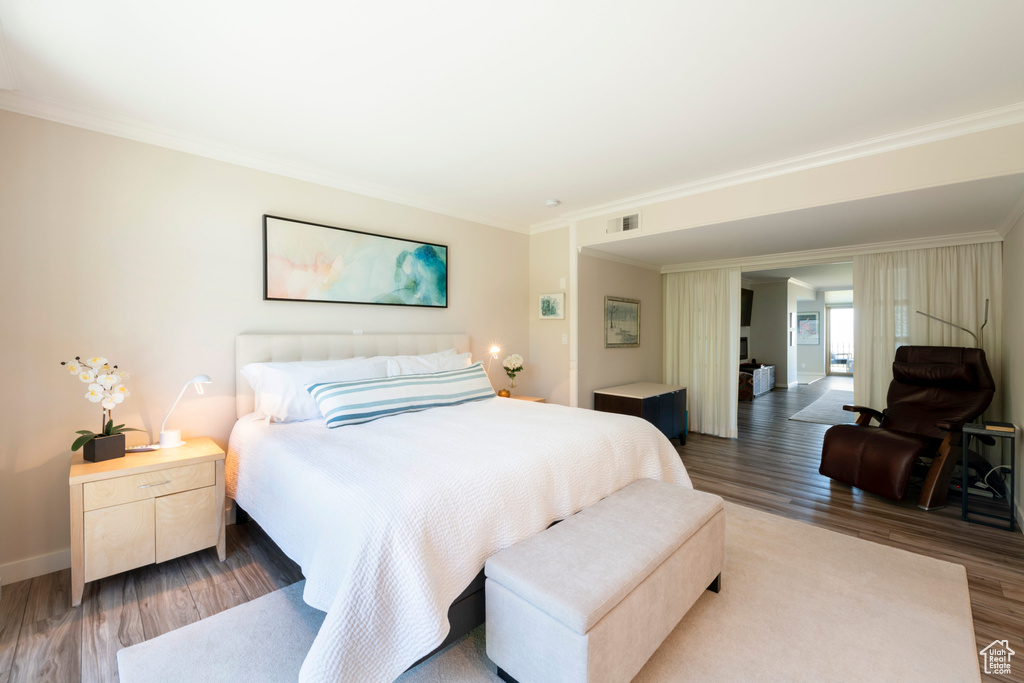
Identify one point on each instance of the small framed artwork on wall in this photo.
(807, 328)
(552, 306)
(621, 322)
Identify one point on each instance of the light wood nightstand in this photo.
(535, 399)
(144, 508)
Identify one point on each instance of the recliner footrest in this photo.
(873, 459)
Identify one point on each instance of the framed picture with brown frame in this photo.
(621, 322)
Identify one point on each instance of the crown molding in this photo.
(588, 251)
(548, 227)
(787, 280)
(943, 130)
(7, 79)
(1016, 212)
(124, 127)
(801, 283)
(159, 136)
(835, 254)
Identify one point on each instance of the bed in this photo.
(392, 520)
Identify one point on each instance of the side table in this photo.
(995, 430)
(144, 508)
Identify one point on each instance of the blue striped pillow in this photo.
(355, 402)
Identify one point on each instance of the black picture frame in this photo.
(428, 258)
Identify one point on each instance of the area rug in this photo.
(798, 603)
(828, 410)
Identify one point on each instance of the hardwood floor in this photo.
(773, 466)
(43, 639)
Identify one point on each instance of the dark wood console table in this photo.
(662, 405)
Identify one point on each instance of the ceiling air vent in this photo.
(623, 223)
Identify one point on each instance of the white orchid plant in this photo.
(106, 387)
(513, 366)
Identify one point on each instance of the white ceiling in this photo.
(826, 276)
(979, 206)
(487, 109)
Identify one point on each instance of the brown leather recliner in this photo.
(935, 391)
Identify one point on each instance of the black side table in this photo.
(995, 430)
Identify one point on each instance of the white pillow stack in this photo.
(281, 394)
(431, 362)
(280, 388)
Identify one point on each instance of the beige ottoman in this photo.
(592, 598)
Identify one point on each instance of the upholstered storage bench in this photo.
(591, 599)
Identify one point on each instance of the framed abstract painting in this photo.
(305, 261)
(552, 306)
(807, 328)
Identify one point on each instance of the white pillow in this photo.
(280, 388)
(432, 362)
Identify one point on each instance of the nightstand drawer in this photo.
(109, 492)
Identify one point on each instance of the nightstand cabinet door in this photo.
(186, 522)
(119, 538)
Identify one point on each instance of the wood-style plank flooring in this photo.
(772, 466)
(43, 639)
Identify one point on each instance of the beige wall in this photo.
(795, 294)
(154, 258)
(811, 357)
(600, 367)
(768, 343)
(548, 362)
(1013, 332)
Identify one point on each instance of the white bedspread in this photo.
(391, 520)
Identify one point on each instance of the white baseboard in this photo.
(12, 572)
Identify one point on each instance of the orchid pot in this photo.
(100, 448)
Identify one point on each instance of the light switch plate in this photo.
(561, 283)
(565, 339)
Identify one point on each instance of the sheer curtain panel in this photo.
(951, 283)
(702, 330)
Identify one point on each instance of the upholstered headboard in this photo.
(265, 348)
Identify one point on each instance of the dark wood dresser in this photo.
(662, 405)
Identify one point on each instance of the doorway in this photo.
(839, 333)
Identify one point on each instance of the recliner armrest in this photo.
(869, 412)
(958, 428)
